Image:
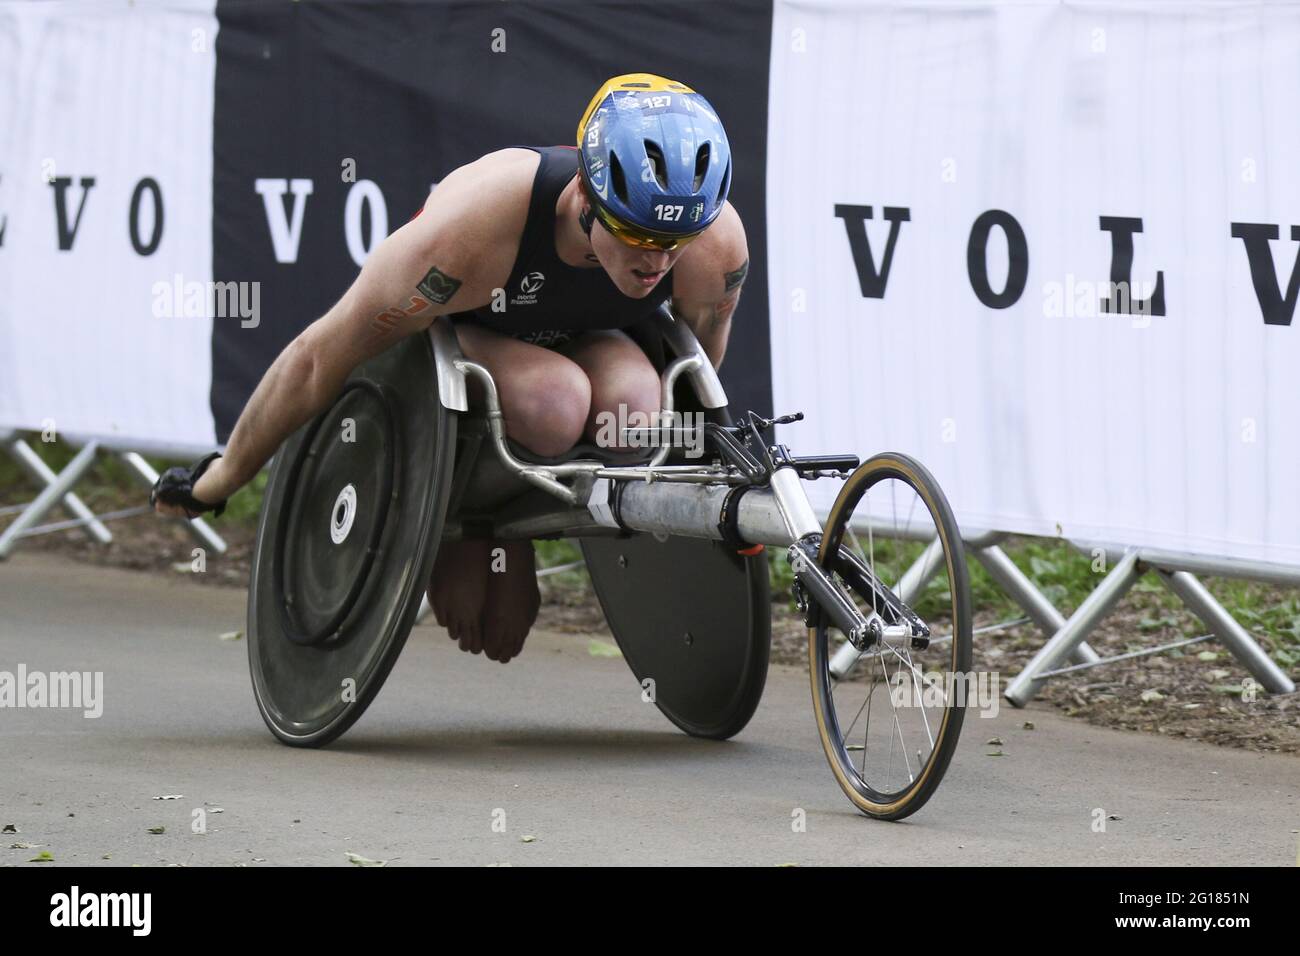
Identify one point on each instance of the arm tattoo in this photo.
(723, 311)
(385, 322)
(734, 279)
(437, 286)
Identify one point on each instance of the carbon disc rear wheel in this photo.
(351, 519)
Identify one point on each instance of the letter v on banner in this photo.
(871, 281)
(1277, 309)
(284, 236)
(60, 184)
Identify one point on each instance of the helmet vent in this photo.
(657, 164)
(701, 166)
(617, 178)
(726, 185)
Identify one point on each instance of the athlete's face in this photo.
(634, 271)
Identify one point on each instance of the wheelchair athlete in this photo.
(540, 256)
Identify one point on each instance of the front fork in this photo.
(817, 592)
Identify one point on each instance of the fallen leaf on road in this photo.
(1149, 695)
(156, 830)
(1028, 725)
(232, 635)
(995, 753)
(994, 741)
(43, 857)
(9, 828)
(359, 860)
(527, 839)
(170, 796)
(603, 649)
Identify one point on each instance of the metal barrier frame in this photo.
(56, 489)
(1174, 570)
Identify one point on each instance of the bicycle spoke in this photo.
(916, 688)
(907, 548)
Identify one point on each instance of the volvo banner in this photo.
(106, 161)
(1053, 251)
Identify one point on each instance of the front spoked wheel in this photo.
(889, 708)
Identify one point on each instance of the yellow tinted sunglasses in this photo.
(638, 239)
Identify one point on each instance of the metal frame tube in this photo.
(1089, 614)
(43, 475)
(704, 377)
(1225, 627)
(1174, 561)
(51, 495)
(1017, 586)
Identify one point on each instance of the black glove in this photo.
(175, 486)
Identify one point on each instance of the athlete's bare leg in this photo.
(485, 592)
(458, 590)
(545, 398)
(620, 375)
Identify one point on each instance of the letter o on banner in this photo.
(1017, 259)
(150, 247)
(364, 194)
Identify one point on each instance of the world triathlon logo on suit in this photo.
(529, 286)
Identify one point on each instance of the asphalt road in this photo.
(556, 749)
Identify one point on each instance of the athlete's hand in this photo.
(178, 491)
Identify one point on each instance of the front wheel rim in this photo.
(940, 733)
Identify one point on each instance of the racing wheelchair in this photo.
(673, 537)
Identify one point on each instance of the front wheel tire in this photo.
(889, 716)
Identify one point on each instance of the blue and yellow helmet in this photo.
(654, 160)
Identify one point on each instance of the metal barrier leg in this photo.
(1020, 589)
(198, 527)
(43, 475)
(1095, 606)
(1236, 638)
(53, 493)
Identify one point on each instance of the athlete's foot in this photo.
(458, 590)
(512, 600)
